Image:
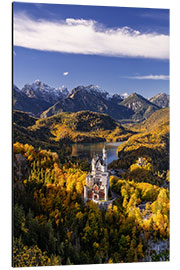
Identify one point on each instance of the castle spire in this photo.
(104, 157)
(104, 153)
(93, 163)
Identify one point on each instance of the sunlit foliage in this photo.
(53, 226)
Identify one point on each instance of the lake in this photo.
(85, 151)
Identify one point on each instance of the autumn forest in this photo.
(53, 225)
(90, 134)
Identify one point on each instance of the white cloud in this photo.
(65, 73)
(88, 37)
(150, 77)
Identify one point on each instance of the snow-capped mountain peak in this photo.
(95, 89)
(40, 86)
(41, 90)
(63, 90)
(89, 89)
(125, 95)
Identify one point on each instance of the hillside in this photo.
(53, 226)
(157, 118)
(153, 144)
(145, 156)
(141, 107)
(68, 128)
(23, 119)
(22, 133)
(161, 100)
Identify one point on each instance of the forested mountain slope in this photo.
(146, 154)
(141, 107)
(82, 126)
(53, 226)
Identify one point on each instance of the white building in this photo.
(97, 182)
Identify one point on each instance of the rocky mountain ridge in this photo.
(41, 100)
(161, 100)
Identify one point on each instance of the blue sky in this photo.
(119, 49)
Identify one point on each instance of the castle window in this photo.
(96, 188)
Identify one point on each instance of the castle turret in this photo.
(88, 179)
(104, 158)
(85, 193)
(104, 153)
(93, 164)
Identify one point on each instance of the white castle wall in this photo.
(99, 176)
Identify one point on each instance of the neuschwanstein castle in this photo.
(97, 182)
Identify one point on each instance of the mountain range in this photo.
(41, 100)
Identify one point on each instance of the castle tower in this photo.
(93, 164)
(104, 159)
(85, 193)
(106, 193)
(104, 153)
